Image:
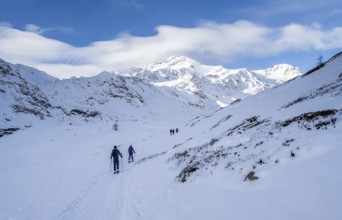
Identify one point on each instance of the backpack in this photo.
(115, 153)
(130, 150)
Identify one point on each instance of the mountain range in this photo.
(179, 81)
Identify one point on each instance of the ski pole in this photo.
(121, 163)
(110, 164)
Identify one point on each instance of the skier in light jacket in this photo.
(130, 152)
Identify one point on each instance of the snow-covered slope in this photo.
(268, 127)
(273, 155)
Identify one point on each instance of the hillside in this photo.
(272, 155)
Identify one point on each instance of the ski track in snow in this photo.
(115, 193)
(118, 202)
(78, 205)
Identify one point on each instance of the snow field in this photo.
(62, 172)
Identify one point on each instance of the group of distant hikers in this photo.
(115, 156)
(172, 131)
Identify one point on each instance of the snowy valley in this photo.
(263, 144)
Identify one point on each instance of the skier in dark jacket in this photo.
(130, 152)
(115, 155)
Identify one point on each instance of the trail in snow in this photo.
(124, 195)
(81, 202)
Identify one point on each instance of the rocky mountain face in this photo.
(18, 95)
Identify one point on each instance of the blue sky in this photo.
(77, 37)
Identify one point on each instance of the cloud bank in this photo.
(207, 41)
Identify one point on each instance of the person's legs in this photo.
(116, 164)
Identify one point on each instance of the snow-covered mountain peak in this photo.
(177, 66)
(173, 63)
(280, 72)
(214, 83)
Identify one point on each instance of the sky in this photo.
(69, 38)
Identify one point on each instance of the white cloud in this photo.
(33, 28)
(30, 47)
(297, 37)
(207, 41)
(38, 30)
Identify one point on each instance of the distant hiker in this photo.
(176, 130)
(115, 155)
(115, 125)
(130, 152)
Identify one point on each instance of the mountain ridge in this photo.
(180, 71)
(181, 80)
